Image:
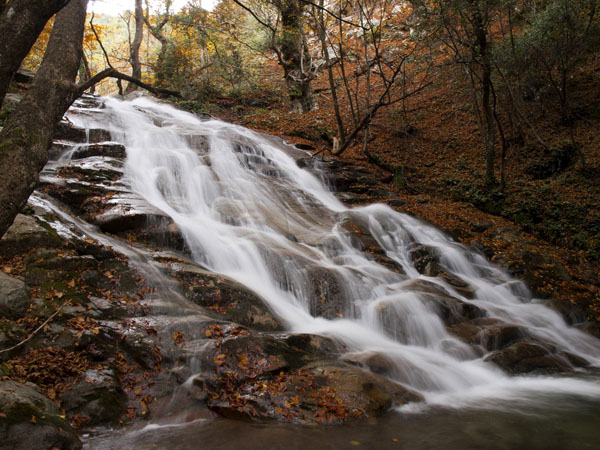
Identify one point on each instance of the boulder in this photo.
(329, 298)
(525, 357)
(24, 234)
(497, 336)
(31, 420)
(10, 334)
(425, 259)
(98, 397)
(68, 132)
(321, 392)
(14, 299)
(228, 299)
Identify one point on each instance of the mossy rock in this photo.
(31, 420)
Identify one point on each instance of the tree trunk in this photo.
(490, 135)
(27, 135)
(136, 66)
(294, 56)
(21, 22)
(320, 17)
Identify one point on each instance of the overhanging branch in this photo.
(113, 73)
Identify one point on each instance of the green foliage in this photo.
(553, 161)
(554, 41)
(7, 109)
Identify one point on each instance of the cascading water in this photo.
(248, 211)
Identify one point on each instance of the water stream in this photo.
(249, 212)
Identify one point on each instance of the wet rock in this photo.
(118, 219)
(500, 335)
(376, 362)
(282, 352)
(198, 142)
(362, 389)
(76, 195)
(68, 132)
(112, 150)
(14, 299)
(524, 357)
(80, 151)
(451, 310)
(24, 234)
(467, 332)
(357, 227)
(322, 392)
(572, 313)
(101, 308)
(329, 299)
(98, 396)
(30, 420)
(315, 345)
(161, 232)
(228, 299)
(425, 259)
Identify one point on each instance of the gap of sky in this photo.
(115, 7)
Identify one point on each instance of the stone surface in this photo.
(31, 420)
(227, 299)
(14, 299)
(25, 233)
(98, 396)
(524, 357)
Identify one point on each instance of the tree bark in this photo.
(27, 135)
(136, 66)
(21, 22)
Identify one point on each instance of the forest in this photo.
(457, 211)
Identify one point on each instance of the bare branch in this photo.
(113, 73)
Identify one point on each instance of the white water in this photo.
(237, 203)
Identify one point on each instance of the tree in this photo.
(370, 45)
(558, 39)
(21, 22)
(285, 23)
(136, 66)
(162, 19)
(27, 134)
(25, 139)
(465, 28)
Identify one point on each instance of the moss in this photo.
(6, 145)
(4, 370)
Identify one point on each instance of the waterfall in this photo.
(248, 211)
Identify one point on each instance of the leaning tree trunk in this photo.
(136, 66)
(27, 135)
(21, 22)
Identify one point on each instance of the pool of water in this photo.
(575, 426)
